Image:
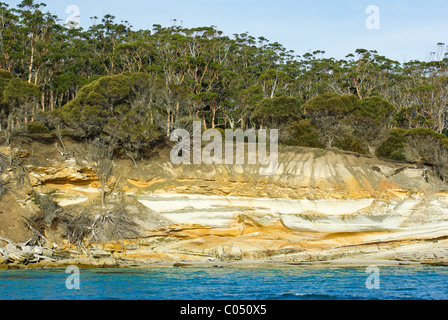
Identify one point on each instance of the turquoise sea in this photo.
(229, 283)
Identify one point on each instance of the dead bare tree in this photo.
(59, 135)
(4, 178)
(84, 227)
(99, 155)
(38, 239)
(114, 224)
(77, 227)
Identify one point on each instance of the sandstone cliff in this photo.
(318, 207)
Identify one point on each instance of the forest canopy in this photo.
(134, 86)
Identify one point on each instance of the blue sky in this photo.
(409, 29)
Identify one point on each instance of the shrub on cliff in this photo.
(275, 113)
(5, 77)
(428, 147)
(18, 100)
(393, 147)
(95, 103)
(120, 107)
(352, 143)
(330, 114)
(371, 121)
(37, 127)
(99, 155)
(303, 133)
(351, 123)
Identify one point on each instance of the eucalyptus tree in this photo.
(273, 81)
(371, 73)
(172, 100)
(313, 75)
(331, 115)
(424, 146)
(277, 112)
(106, 37)
(5, 108)
(22, 99)
(244, 103)
(9, 38)
(200, 73)
(425, 91)
(137, 53)
(121, 107)
(36, 28)
(230, 85)
(372, 121)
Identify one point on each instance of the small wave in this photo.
(121, 272)
(405, 289)
(308, 296)
(26, 277)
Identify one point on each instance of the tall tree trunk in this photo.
(30, 68)
(51, 100)
(213, 117)
(168, 125)
(42, 100)
(103, 195)
(274, 87)
(61, 98)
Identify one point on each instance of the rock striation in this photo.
(317, 206)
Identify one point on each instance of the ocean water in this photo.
(230, 283)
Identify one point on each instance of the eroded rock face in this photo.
(310, 174)
(61, 172)
(260, 225)
(318, 206)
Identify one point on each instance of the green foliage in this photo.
(117, 107)
(18, 99)
(113, 88)
(351, 143)
(131, 85)
(441, 138)
(105, 105)
(393, 147)
(428, 147)
(353, 124)
(401, 120)
(374, 110)
(272, 113)
(303, 133)
(187, 123)
(331, 114)
(371, 122)
(20, 91)
(332, 103)
(5, 75)
(37, 127)
(398, 155)
(425, 135)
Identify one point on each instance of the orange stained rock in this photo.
(143, 183)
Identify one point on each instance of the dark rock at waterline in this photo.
(180, 265)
